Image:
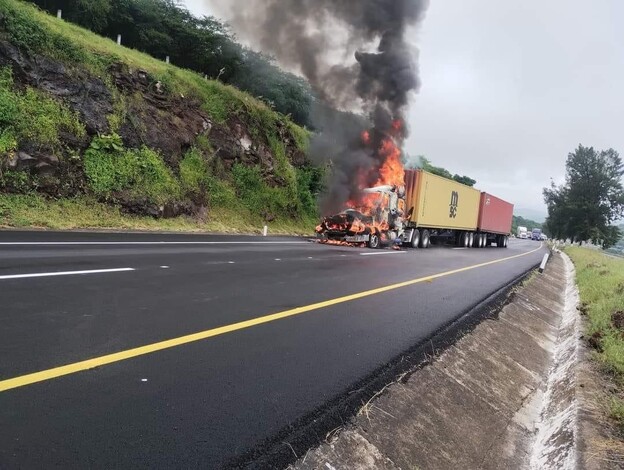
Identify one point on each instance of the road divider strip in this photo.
(64, 273)
(81, 366)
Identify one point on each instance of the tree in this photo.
(165, 28)
(590, 200)
(426, 165)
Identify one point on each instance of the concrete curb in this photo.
(502, 397)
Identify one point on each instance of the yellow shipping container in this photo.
(438, 202)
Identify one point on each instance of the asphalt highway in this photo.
(203, 347)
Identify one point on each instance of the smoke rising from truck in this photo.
(357, 59)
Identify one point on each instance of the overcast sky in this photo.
(509, 88)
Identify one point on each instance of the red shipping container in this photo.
(495, 215)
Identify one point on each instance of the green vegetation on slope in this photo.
(30, 115)
(34, 211)
(164, 28)
(518, 221)
(601, 287)
(112, 170)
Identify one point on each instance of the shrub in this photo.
(309, 186)
(33, 117)
(198, 182)
(258, 196)
(111, 168)
(13, 181)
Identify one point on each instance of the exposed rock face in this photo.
(152, 116)
(163, 122)
(86, 95)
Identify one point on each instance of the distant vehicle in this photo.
(536, 234)
(543, 237)
(522, 233)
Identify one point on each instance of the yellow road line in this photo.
(48, 374)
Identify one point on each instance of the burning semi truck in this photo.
(425, 209)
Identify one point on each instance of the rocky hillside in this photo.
(81, 117)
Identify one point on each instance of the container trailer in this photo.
(495, 218)
(427, 209)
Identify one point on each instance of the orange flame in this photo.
(391, 171)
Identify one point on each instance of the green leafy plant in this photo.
(198, 182)
(142, 172)
(31, 116)
(17, 181)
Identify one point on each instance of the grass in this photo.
(600, 280)
(35, 211)
(33, 29)
(111, 169)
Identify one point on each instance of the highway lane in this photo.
(203, 403)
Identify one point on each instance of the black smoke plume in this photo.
(355, 55)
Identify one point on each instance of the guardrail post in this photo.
(59, 14)
(265, 231)
(119, 39)
(544, 261)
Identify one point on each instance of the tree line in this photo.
(591, 201)
(206, 45)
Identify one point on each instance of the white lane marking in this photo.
(164, 267)
(383, 253)
(230, 262)
(462, 248)
(65, 273)
(278, 259)
(144, 243)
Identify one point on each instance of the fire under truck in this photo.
(426, 209)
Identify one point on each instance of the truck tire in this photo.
(500, 241)
(424, 239)
(484, 240)
(465, 239)
(374, 241)
(471, 239)
(415, 241)
(506, 241)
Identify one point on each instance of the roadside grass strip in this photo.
(600, 281)
(56, 372)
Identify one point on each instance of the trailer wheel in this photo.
(483, 240)
(471, 239)
(500, 241)
(374, 241)
(415, 241)
(424, 239)
(506, 241)
(465, 239)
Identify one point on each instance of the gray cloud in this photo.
(509, 88)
